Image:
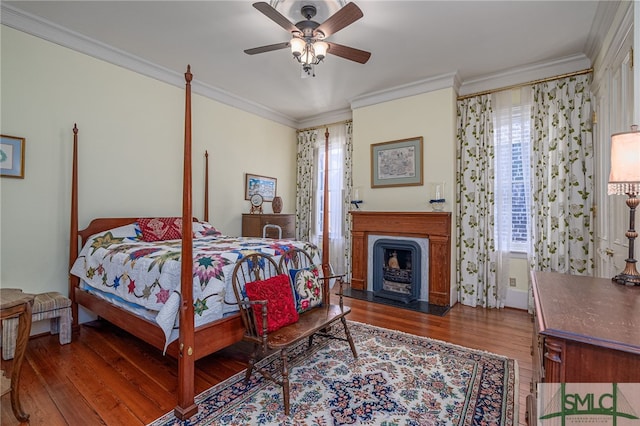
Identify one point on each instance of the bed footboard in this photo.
(209, 337)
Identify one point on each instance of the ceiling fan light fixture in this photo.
(320, 48)
(308, 56)
(307, 37)
(297, 46)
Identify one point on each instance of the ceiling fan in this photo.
(308, 43)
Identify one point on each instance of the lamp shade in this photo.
(320, 48)
(297, 46)
(624, 177)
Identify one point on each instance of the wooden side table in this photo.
(253, 225)
(15, 303)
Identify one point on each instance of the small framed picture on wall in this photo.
(12, 156)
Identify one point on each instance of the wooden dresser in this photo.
(586, 330)
(252, 225)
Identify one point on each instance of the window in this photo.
(335, 190)
(512, 135)
(337, 142)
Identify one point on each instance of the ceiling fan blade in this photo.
(275, 16)
(356, 55)
(267, 48)
(345, 16)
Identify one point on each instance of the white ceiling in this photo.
(410, 41)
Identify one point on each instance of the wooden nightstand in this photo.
(252, 225)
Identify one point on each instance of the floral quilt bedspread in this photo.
(147, 274)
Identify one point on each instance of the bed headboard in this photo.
(104, 224)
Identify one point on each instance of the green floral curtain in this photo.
(307, 142)
(304, 188)
(562, 169)
(476, 268)
(346, 196)
(562, 177)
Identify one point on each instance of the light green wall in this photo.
(130, 149)
(430, 115)
(519, 269)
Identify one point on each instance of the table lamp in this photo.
(625, 179)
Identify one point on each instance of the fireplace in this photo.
(433, 228)
(398, 268)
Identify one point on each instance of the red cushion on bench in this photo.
(281, 310)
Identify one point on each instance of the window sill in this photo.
(518, 255)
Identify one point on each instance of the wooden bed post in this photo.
(186, 359)
(326, 268)
(73, 232)
(192, 344)
(206, 186)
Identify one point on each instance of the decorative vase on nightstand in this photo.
(276, 204)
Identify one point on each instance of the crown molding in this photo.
(523, 74)
(31, 24)
(605, 19)
(38, 27)
(326, 117)
(416, 88)
(619, 26)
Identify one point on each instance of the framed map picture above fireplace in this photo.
(397, 163)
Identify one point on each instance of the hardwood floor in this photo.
(106, 376)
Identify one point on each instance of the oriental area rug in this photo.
(398, 379)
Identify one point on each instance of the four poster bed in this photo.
(185, 331)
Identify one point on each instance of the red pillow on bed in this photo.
(281, 309)
(160, 228)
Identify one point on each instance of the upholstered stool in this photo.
(53, 306)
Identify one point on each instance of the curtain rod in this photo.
(530, 83)
(324, 125)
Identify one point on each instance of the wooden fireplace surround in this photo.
(436, 226)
